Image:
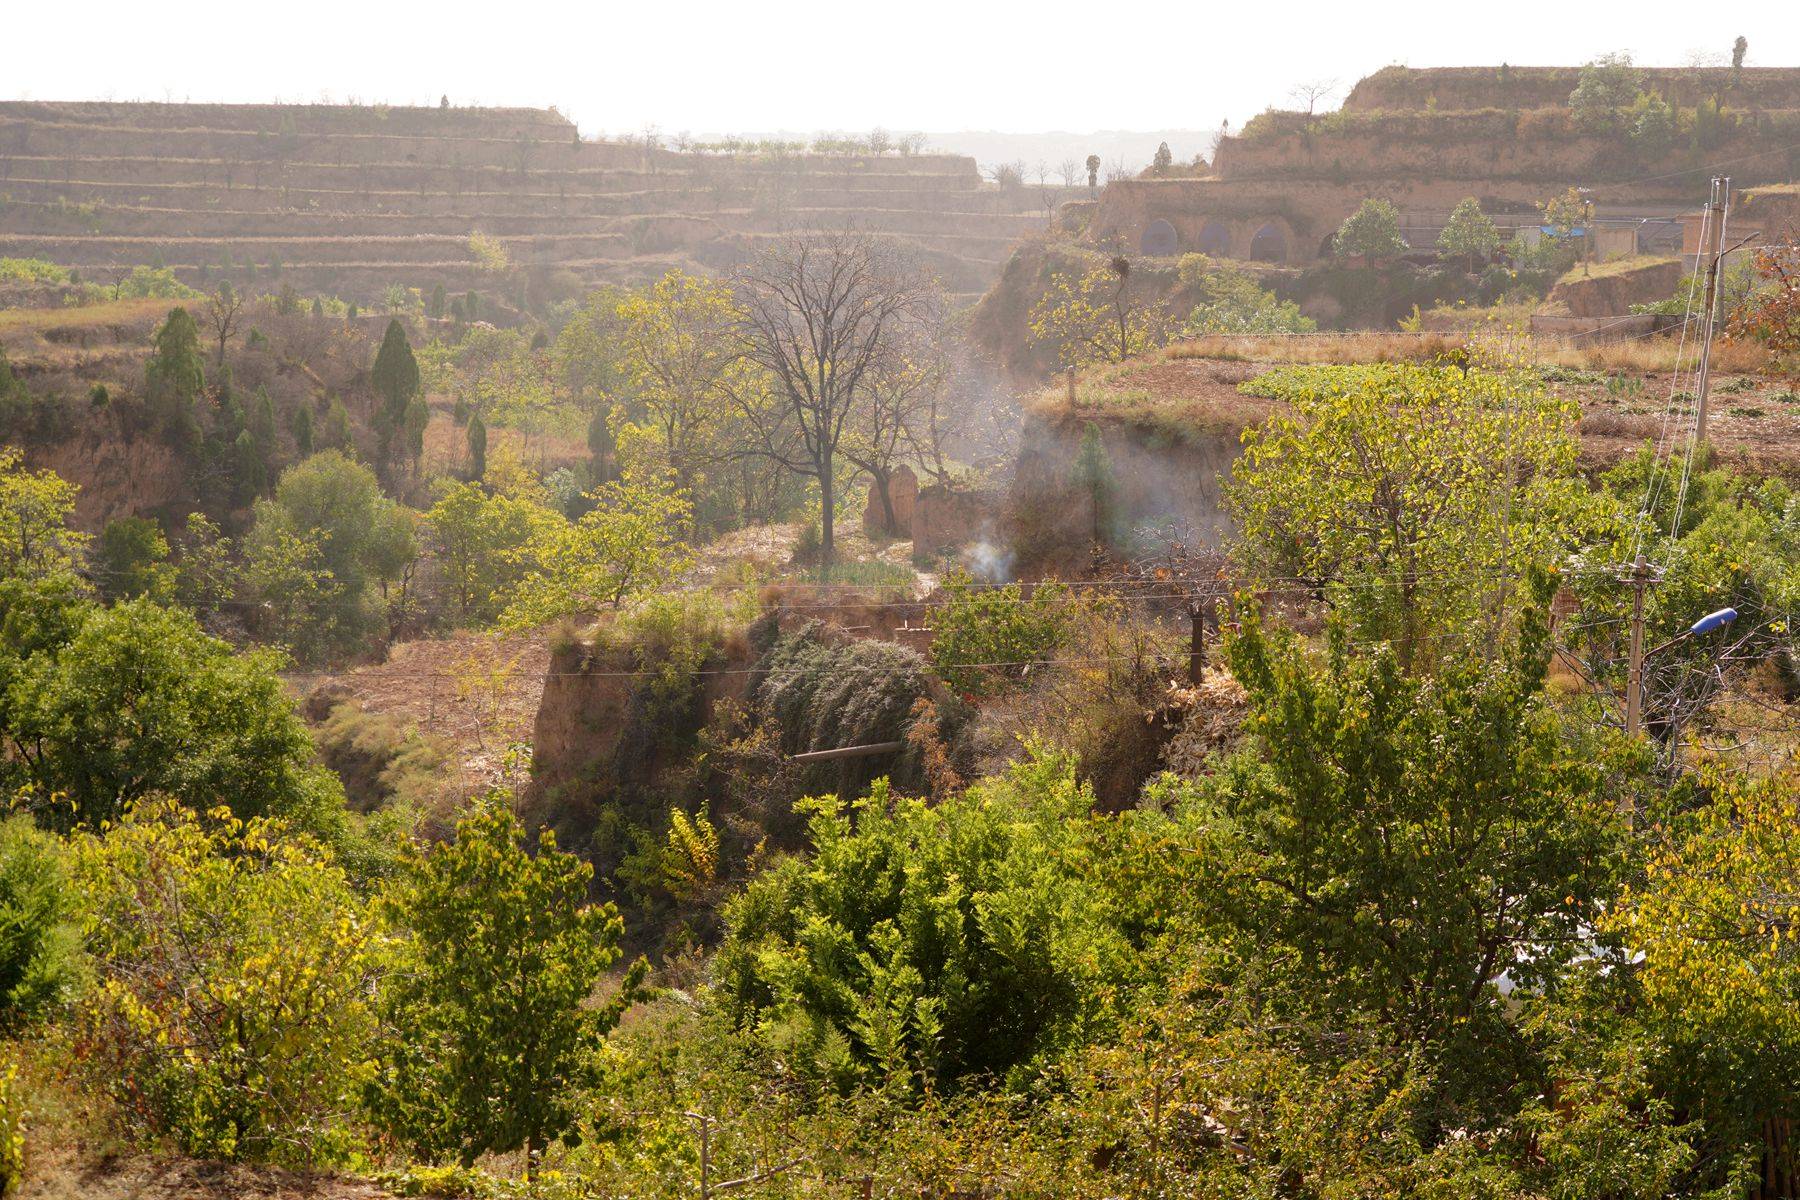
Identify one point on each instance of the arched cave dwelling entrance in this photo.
(1269, 245)
(1215, 240)
(1160, 239)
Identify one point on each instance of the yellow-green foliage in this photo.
(1098, 317)
(35, 508)
(13, 1119)
(988, 636)
(489, 253)
(629, 543)
(1425, 494)
(234, 968)
(31, 270)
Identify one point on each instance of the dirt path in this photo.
(136, 1177)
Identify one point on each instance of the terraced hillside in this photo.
(351, 200)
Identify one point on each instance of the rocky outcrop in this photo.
(894, 518)
(1610, 289)
(946, 518)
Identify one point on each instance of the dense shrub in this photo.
(38, 940)
(988, 637)
(234, 967)
(823, 696)
(108, 706)
(489, 1016)
(930, 942)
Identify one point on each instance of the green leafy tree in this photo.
(35, 507)
(336, 434)
(1652, 125)
(332, 504)
(482, 543)
(1231, 301)
(300, 603)
(627, 544)
(1162, 160)
(1098, 317)
(1418, 498)
(684, 370)
(1469, 235)
(247, 466)
(1607, 88)
(435, 308)
(418, 417)
(1372, 231)
(491, 1015)
(1094, 479)
(134, 699)
(206, 575)
(302, 426)
(1396, 844)
(1719, 978)
(39, 939)
(396, 379)
(234, 967)
(131, 560)
(918, 942)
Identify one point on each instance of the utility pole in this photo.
(1197, 642)
(1640, 579)
(1718, 205)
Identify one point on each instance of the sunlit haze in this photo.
(806, 66)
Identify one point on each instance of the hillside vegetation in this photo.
(498, 737)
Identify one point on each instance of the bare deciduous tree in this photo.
(823, 314)
(1311, 92)
(222, 310)
(1070, 171)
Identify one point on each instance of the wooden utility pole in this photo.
(1200, 609)
(1718, 205)
(1197, 644)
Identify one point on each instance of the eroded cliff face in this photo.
(1160, 476)
(603, 730)
(120, 475)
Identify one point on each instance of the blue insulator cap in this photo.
(1712, 621)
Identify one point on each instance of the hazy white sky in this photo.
(807, 65)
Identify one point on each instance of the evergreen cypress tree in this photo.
(396, 379)
(303, 430)
(1093, 472)
(477, 447)
(336, 434)
(176, 374)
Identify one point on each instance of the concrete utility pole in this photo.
(1718, 206)
(1640, 578)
